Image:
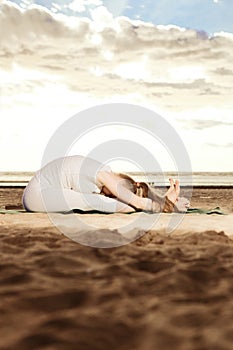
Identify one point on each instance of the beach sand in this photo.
(163, 291)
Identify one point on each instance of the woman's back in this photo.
(72, 172)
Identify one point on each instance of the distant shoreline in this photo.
(195, 179)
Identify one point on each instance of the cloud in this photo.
(82, 5)
(200, 124)
(52, 65)
(172, 67)
(226, 145)
(223, 71)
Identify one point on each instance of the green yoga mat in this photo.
(12, 211)
(216, 210)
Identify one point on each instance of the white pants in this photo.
(52, 199)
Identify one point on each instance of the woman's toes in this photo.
(171, 182)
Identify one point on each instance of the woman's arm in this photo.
(113, 184)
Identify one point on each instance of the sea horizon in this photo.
(200, 178)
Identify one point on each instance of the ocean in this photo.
(214, 179)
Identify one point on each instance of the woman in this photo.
(77, 182)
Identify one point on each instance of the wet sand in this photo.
(160, 292)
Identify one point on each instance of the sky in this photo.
(61, 57)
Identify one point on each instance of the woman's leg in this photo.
(63, 200)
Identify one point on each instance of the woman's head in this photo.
(139, 188)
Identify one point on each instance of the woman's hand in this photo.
(182, 205)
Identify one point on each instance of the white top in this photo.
(78, 173)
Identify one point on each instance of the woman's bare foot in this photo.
(173, 192)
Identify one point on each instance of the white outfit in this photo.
(68, 183)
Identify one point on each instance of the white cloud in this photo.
(187, 73)
(55, 7)
(201, 124)
(82, 5)
(162, 64)
(77, 6)
(132, 70)
(52, 62)
(101, 18)
(25, 3)
(224, 35)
